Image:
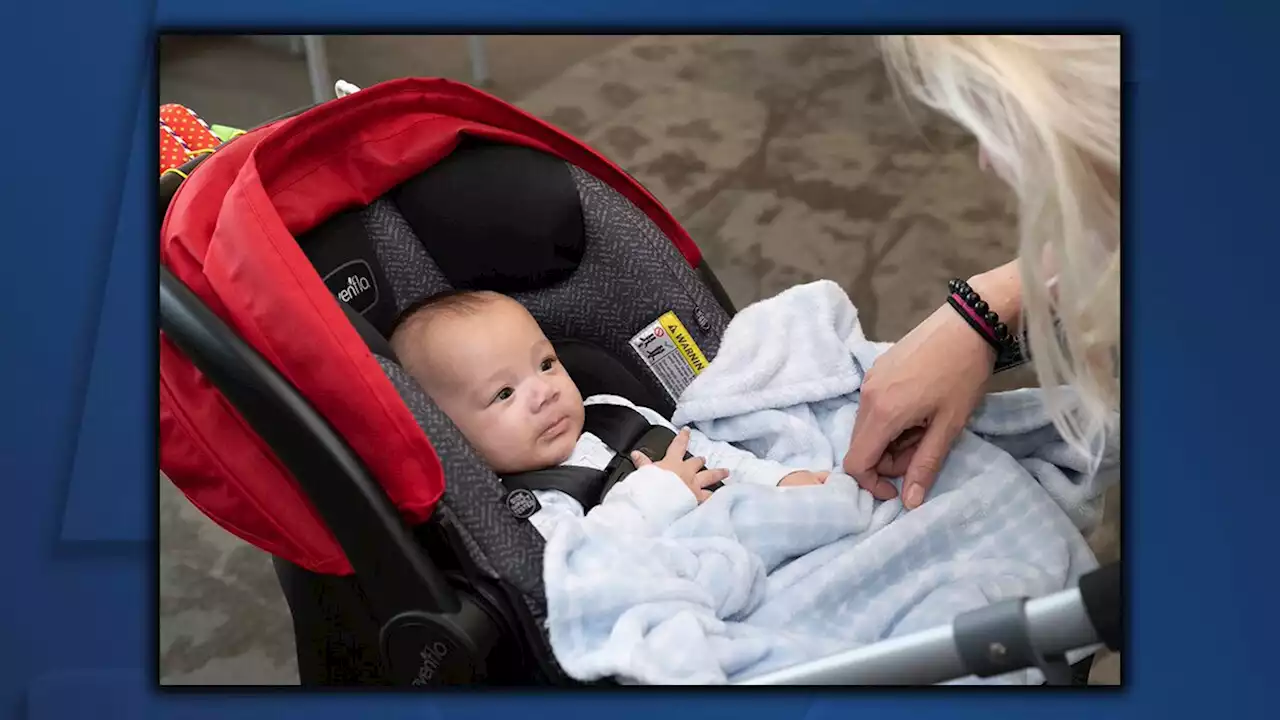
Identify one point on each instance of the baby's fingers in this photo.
(707, 478)
(695, 464)
(678, 447)
(639, 459)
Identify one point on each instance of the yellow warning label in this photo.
(669, 351)
(684, 342)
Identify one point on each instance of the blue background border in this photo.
(77, 627)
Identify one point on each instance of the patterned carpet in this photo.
(787, 158)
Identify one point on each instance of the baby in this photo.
(485, 362)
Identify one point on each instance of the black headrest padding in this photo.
(596, 372)
(341, 251)
(496, 217)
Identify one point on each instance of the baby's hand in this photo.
(803, 477)
(691, 472)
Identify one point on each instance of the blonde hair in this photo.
(1046, 110)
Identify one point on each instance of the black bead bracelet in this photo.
(986, 322)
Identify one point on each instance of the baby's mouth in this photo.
(557, 428)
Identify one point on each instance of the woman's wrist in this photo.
(1001, 289)
(991, 304)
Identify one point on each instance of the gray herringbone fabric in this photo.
(405, 263)
(500, 544)
(630, 274)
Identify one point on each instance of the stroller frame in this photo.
(435, 633)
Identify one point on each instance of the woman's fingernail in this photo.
(913, 496)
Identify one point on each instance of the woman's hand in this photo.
(919, 395)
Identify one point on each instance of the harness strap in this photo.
(586, 485)
(617, 426)
(623, 430)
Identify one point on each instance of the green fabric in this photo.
(223, 132)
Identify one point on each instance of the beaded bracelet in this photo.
(970, 305)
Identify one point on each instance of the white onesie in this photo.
(649, 499)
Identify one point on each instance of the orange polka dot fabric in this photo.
(182, 134)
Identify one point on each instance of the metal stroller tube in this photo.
(994, 640)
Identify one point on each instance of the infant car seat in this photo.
(285, 417)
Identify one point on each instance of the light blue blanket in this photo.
(757, 578)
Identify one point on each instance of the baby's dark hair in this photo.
(460, 302)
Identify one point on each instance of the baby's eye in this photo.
(503, 394)
(548, 364)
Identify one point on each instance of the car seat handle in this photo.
(409, 595)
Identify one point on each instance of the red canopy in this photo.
(229, 235)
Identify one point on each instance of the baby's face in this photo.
(497, 377)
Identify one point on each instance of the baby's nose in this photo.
(544, 392)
